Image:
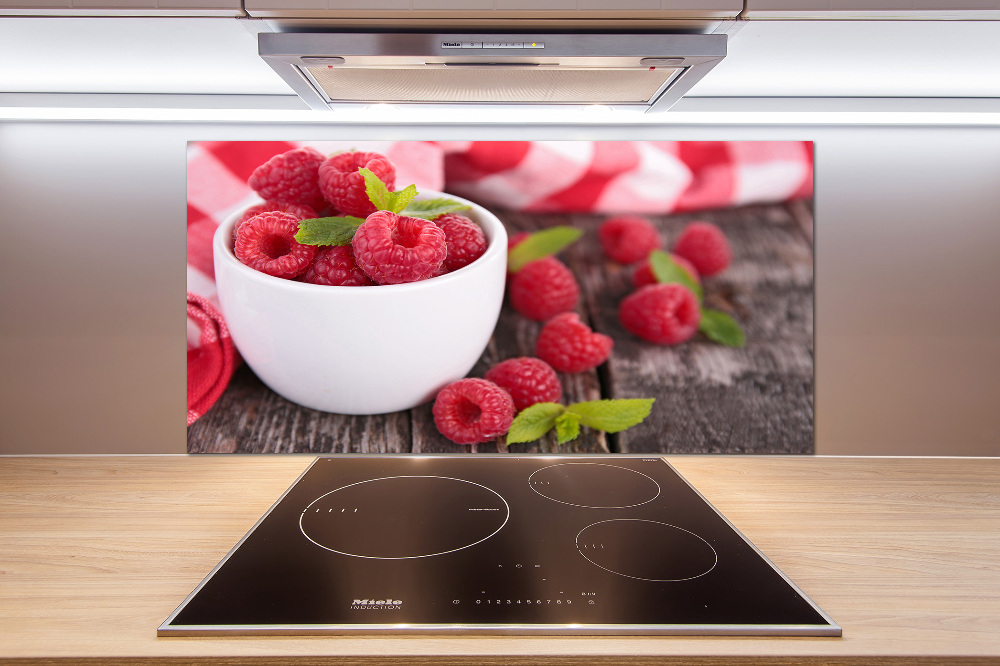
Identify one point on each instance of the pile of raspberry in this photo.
(387, 248)
(474, 410)
(545, 290)
(667, 313)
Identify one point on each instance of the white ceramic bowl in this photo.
(363, 350)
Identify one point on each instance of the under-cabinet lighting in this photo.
(688, 112)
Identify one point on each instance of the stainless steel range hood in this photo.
(646, 71)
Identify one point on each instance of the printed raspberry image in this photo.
(643, 273)
(290, 176)
(334, 266)
(705, 246)
(301, 211)
(393, 249)
(344, 187)
(628, 238)
(266, 242)
(473, 410)
(666, 314)
(569, 345)
(528, 380)
(543, 288)
(465, 240)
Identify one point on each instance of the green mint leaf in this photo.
(381, 197)
(567, 427)
(532, 423)
(328, 230)
(378, 193)
(612, 415)
(541, 244)
(429, 209)
(721, 328)
(401, 199)
(667, 270)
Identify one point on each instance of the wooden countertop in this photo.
(903, 553)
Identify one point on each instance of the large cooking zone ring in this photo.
(404, 517)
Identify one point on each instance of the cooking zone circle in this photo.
(594, 485)
(646, 550)
(404, 517)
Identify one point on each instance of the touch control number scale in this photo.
(495, 545)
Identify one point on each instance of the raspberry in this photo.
(666, 314)
(266, 242)
(705, 246)
(628, 239)
(393, 249)
(301, 211)
(344, 187)
(290, 176)
(466, 241)
(543, 288)
(568, 345)
(643, 273)
(334, 265)
(528, 380)
(473, 410)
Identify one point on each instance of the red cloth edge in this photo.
(211, 365)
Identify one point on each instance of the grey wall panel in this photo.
(92, 312)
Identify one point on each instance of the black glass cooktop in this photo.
(501, 545)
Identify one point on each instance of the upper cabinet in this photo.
(693, 15)
(872, 9)
(231, 8)
(497, 15)
(487, 9)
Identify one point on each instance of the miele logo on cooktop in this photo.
(376, 604)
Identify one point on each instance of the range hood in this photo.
(645, 71)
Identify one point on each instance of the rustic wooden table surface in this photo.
(709, 398)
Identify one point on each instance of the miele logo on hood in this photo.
(376, 604)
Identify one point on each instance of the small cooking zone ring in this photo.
(404, 517)
(646, 550)
(594, 485)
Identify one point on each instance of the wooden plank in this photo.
(711, 398)
(251, 418)
(903, 553)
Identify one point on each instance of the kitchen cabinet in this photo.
(901, 552)
(501, 9)
(871, 9)
(233, 8)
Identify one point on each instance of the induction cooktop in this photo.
(495, 545)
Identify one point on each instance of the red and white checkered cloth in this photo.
(602, 177)
(641, 177)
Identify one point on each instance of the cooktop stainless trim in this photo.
(834, 627)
